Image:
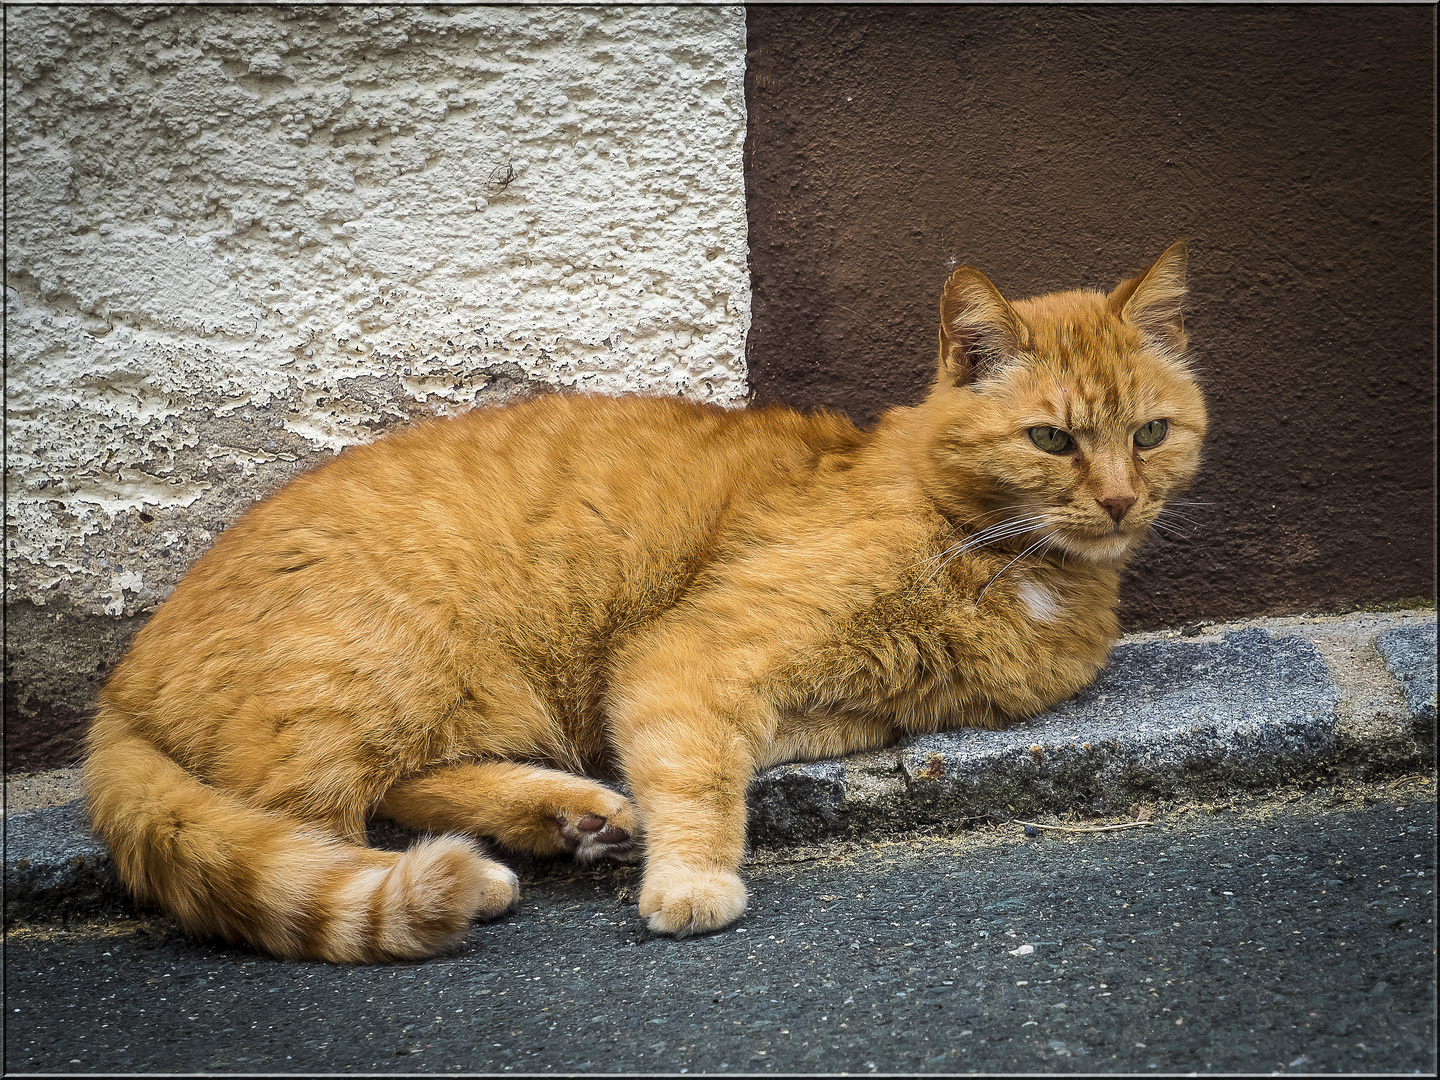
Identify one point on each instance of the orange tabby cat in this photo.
(458, 625)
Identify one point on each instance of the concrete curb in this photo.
(1194, 713)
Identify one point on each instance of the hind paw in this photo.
(593, 836)
(497, 890)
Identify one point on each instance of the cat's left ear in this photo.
(1151, 302)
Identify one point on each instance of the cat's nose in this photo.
(1117, 507)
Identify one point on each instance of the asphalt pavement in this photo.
(1291, 932)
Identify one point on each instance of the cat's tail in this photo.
(221, 866)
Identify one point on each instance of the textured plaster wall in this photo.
(241, 239)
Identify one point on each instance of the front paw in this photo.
(683, 901)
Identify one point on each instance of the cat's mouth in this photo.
(1097, 544)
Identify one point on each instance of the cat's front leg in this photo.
(689, 767)
(692, 882)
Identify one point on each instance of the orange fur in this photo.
(461, 624)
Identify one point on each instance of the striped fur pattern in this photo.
(487, 626)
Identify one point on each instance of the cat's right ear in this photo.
(979, 330)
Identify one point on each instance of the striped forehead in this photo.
(1076, 327)
(1113, 395)
(1089, 368)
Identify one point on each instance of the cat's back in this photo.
(580, 466)
(553, 501)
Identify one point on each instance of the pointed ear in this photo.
(979, 330)
(1151, 302)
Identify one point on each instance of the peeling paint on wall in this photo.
(242, 239)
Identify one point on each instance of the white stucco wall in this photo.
(240, 240)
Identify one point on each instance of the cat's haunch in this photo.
(468, 625)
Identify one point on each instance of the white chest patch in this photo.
(1042, 604)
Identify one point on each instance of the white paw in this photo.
(689, 901)
(498, 890)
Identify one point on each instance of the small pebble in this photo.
(1031, 830)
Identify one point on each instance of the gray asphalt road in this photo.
(1292, 936)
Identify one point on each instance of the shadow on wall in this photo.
(1059, 147)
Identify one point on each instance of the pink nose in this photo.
(1117, 508)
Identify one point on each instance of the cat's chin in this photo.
(1108, 548)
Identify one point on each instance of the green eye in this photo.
(1152, 434)
(1051, 440)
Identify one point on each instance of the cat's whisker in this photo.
(993, 534)
(1179, 522)
(1171, 529)
(1164, 516)
(1171, 507)
(1172, 516)
(1045, 540)
(1008, 527)
(975, 519)
(996, 535)
(988, 536)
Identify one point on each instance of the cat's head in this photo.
(1072, 415)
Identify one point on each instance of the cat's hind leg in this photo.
(526, 807)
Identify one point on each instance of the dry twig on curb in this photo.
(1083, 828)
(1411, 779)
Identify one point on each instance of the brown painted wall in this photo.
(1056, 147)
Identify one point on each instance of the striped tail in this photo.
(221, 866)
